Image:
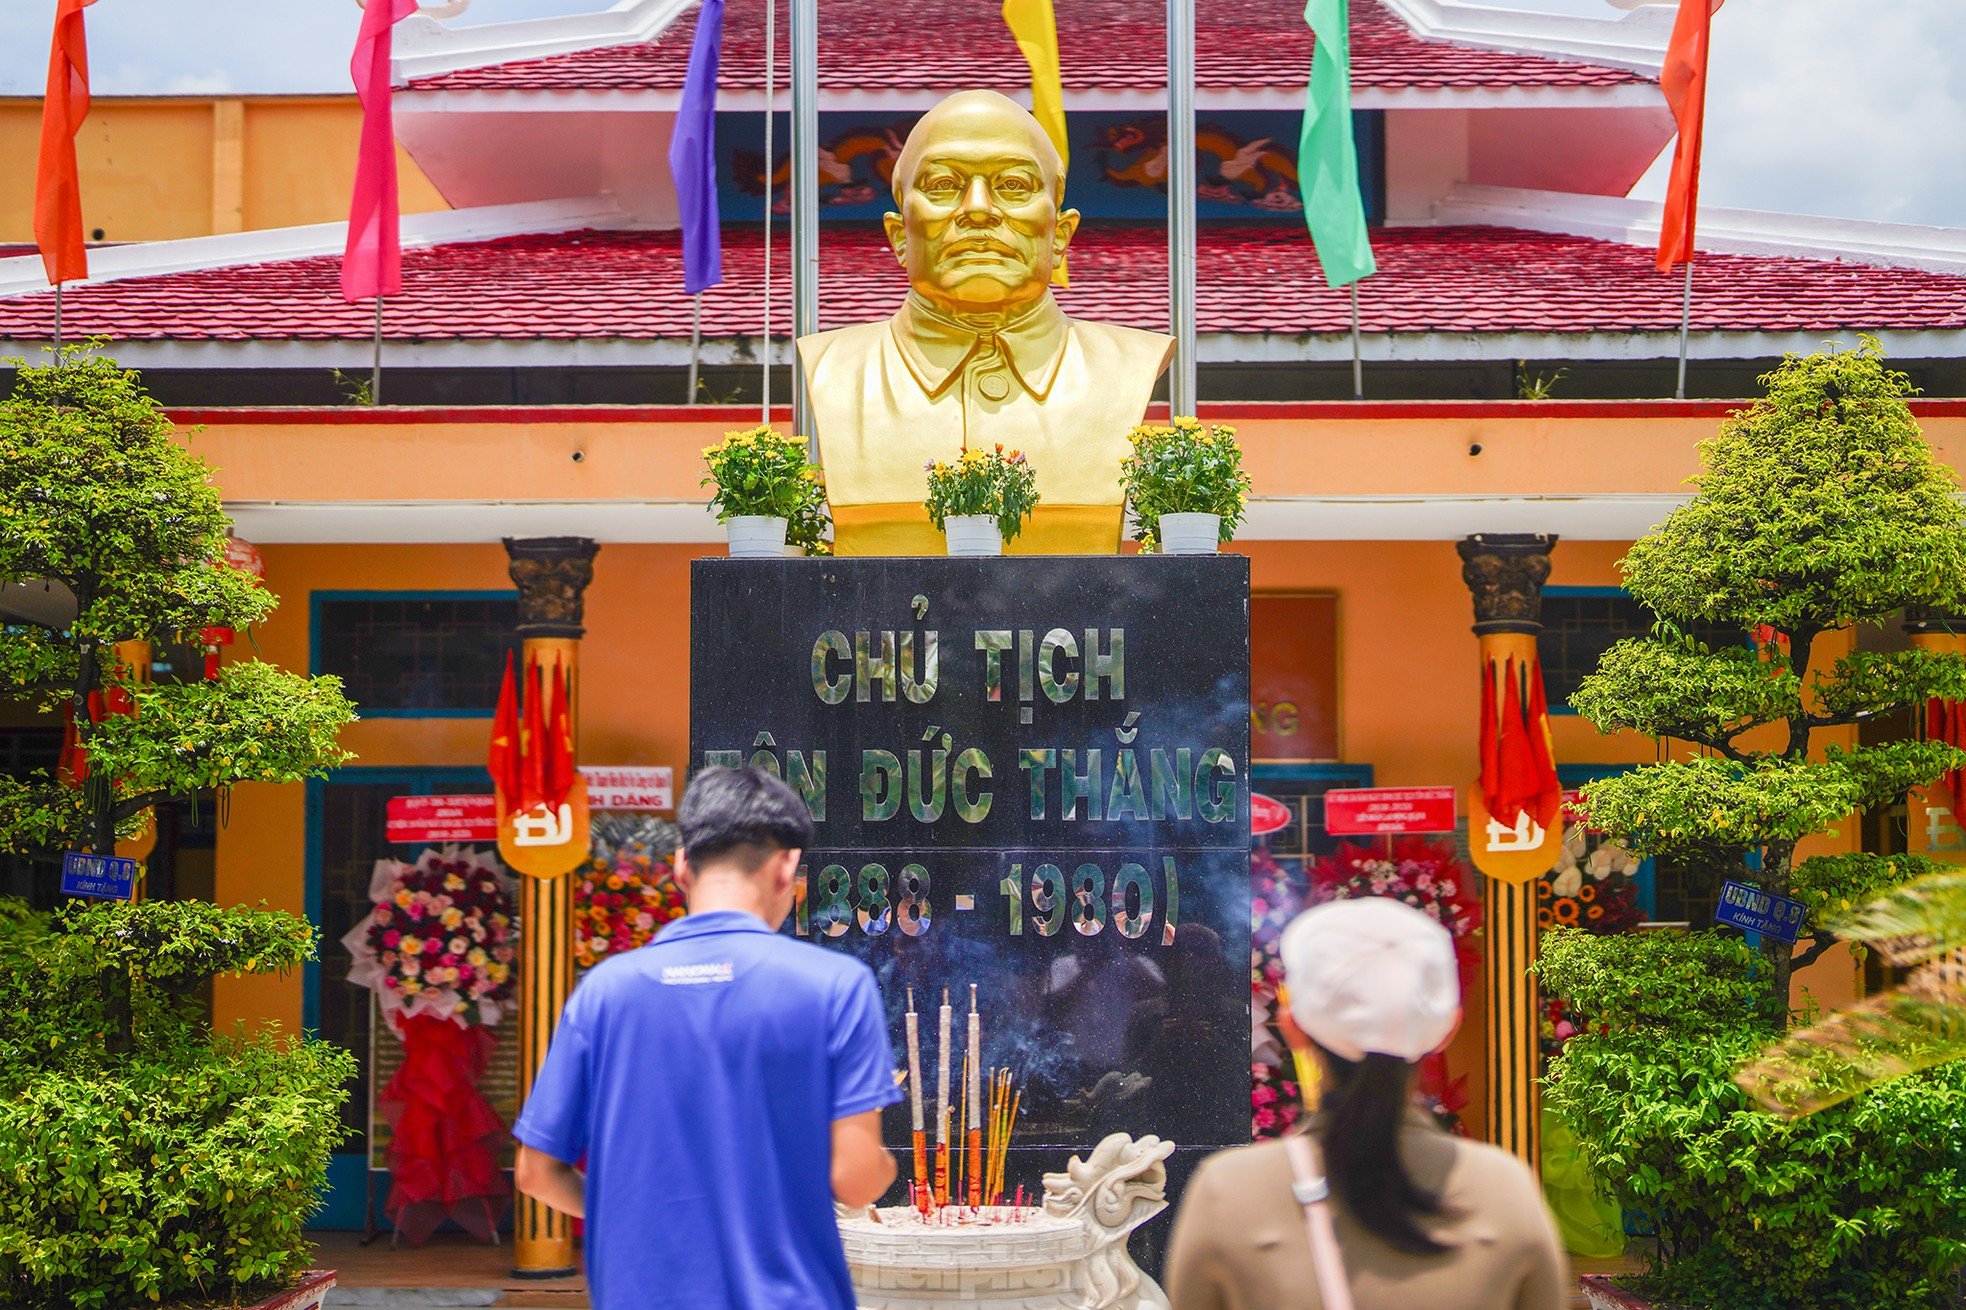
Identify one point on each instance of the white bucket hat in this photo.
(1371, 976)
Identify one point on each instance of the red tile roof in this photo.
(1106, 44)
(1253, 279)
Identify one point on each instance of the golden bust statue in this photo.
(979, 354)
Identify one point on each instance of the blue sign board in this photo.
(1753, 910)
(104, 877)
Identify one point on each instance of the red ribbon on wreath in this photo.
(441, 1150)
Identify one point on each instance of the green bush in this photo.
(1860, 1207)
(182, 1170)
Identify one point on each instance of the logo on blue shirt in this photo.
(693, 975)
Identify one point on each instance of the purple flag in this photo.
(693, 155)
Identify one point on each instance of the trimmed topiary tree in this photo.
(1820, 508)
(141, 1158)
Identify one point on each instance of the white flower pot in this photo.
(1190, 534)
(972, 534)
(756, 536)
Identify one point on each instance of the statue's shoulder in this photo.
(849, 343)
(1131, 348)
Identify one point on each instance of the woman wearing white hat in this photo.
(1374, 1207)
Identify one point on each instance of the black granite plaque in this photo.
(1029, 774)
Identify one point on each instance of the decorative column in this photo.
(1505, 575)
(552, 574)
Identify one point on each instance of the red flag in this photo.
(1490, 756)
(1945, 721)
(1518, 779)
(1684, 80)
(372, 264)
(532, 744)
(559, 742)
(503, 758)
(57, 188)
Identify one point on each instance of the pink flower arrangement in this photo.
(1427, 875)
(443, 938)
(621, 903)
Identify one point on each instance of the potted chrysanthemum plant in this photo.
(981, 499)
(768, 494)
(1185, 484)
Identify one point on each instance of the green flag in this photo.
(1327, 157)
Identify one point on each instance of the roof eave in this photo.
(1635, 42)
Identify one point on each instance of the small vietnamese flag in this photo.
(559, 773)
(1684, 80)
(57, 185)
(372, 263)
(532, 744)
(503, 758)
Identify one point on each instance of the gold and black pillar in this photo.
(552, 574)
(1505, 575)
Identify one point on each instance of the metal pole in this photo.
(695, 342)
(1685, 327)
(805, 200)
(771, 171)
(1181, 200)
(375, 364)
(57, 324)
(1358, 353)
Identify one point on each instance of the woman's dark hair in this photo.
(743, 814)
(1364, 1109)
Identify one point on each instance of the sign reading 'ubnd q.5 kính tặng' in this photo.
(1030, 774)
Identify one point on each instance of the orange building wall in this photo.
(161, 168)
(1406, 673)
(1406, 655)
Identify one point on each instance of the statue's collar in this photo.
(937, 347)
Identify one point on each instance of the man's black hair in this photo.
(726, 811)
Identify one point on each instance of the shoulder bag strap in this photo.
(1313, 1193)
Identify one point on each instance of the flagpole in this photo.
(57, 323)
(805, 202)
(1685, 326)
(771, 199)
(1358, 353)
(1181, 201)
(695, 342)
(375, 363)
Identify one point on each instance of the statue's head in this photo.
(978, 185)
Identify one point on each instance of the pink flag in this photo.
(373, 263)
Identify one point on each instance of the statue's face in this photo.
(979, 229)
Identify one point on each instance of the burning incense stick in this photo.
(942, 1105)
(973, 1087)
(919, 1193)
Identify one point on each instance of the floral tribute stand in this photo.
(1426, 874)
(438, 952)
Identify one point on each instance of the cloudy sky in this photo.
(1848, 108)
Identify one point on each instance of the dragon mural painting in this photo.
(1233, 170)
(855, 168)
(1244, 166)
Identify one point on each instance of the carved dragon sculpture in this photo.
(1122, 1185)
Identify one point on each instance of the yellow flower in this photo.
(411, 947)
(809, 473)
(404, 897)
(1187, 421)
(453, 917)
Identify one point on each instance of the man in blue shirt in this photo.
(724, 1084)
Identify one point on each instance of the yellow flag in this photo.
(1035, 28)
